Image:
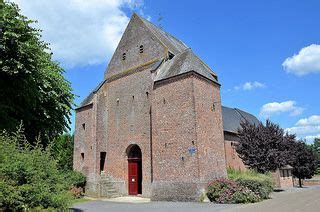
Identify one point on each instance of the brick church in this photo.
(155, 126)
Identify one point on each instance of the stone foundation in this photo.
(177, 191)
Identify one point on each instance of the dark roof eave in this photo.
(231, 132)
(191, 71)
(83, 106)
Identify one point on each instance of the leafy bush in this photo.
(29, 177)
(61, 149)
(261, 184)
(74, 179)
(228, 191)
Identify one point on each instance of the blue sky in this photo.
(266, 53)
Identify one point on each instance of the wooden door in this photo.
(133, 177)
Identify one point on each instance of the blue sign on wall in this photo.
(192, 151)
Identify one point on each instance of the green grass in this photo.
(249, 174)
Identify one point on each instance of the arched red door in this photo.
(134, 170)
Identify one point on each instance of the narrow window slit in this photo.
(141, 49)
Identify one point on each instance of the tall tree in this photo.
(304, 161)
(32, 87)
(316, 148)
(262, 147)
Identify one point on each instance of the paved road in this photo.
(298, 199)
(305, 199)
(98, 206)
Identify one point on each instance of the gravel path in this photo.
(296, 199)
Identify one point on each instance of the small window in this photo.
(102, 160)
(213, 107)
(141, 49)
(82, 156)
(147, 93)
(84, 126)
(170, 55)
(123, 56)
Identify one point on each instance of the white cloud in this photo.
(312, 120)
(249, 86)
(307, 128)
(275, 108)
(305, 62)
(310, 138)
(80, 32)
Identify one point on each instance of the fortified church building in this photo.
(155, 126)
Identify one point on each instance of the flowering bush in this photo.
(260, 184)
(228, 191)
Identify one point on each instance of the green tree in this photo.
(316, 148)
(304, 161)
(33, 89)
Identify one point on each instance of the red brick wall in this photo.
(232, 158)
(183, 120)
(127, 109)
(84, 138)
(173, 120)
(209, 129)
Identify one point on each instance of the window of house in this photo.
(141, 48)
(123, 56)
(102, 160)
(84, 126)
(82, 156)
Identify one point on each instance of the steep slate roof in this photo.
(183, 63)
(173, 44)
(232, 117)
(89, 98)
(184, 60)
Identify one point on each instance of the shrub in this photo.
(29, 177)
(75, 182)
(261, 184)
(74, 179)
(77, 192)
(61, 149)
(228, 191)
